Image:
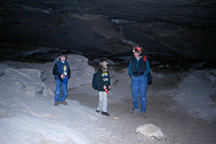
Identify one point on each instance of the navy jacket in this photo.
(61, 68)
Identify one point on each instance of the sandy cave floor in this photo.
(162, 111)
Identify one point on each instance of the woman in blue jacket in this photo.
(138, 71)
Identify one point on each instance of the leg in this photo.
(64, 92)
(104, 103)
(142, 92)
(58, 90)
(100, 102)
(134, 88)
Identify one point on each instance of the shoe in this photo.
(64, 103)
(56, 103)
(98, 111)
(105, 113)
(134, 110)
(143, 114)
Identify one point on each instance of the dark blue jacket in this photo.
(58, 69)
(102, 79)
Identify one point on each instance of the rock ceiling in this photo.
(165, 28)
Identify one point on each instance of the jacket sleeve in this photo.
(109, 79)
(147, 68)
(69, 72)
(99, 81)
(129, 69)
(55, 70)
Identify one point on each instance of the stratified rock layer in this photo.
(169, 29)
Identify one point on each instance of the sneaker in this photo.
(134, 110)
(143, 114)
(98, 111)
(56, 103)
(105, 113)
(64, 103)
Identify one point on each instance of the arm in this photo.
(55, 70)
(99, 80)
(69, 72)
(109, 78)
(147, 68)
(129, 69)
(109, 87)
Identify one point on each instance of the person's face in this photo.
(62, 58)
(104, 64)
(136, 54)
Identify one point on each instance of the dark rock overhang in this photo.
(169, 29)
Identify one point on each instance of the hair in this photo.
(63, 54)
(102, 60)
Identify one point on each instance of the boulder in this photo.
(150, 131)
(81, 72)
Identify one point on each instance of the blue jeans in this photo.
(59, 84)
(138, 87)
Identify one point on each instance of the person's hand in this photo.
(109, 87)
(104, 87)
(62, 76)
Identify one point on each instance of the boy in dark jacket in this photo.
(103, 81)
(61, 71)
